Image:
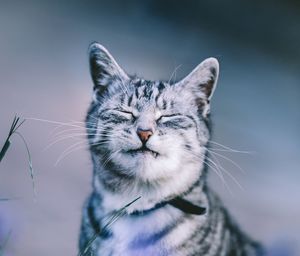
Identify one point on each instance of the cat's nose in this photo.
(144, 134)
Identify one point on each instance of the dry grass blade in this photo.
(13, 130)
(29, 161)
(114, 216)
(7, 141)
(4, 149)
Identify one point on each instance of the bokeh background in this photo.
(256, 107)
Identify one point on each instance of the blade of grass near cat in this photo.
(29, 161)
(111, 220)
(7, 141)
(13, 130)
(4, 149)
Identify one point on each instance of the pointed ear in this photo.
(103, 67)
(202, 81)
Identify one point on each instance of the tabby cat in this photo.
(149, 139)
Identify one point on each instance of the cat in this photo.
(149, 139)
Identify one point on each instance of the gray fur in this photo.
(178, 116)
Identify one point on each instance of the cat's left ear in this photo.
(202, 81)
(104, 69)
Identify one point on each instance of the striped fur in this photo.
(174, 165)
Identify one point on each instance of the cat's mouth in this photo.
(143, 150)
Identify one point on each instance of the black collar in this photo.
(177, 202)
(187, 206)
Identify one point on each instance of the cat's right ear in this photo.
(104, 69)
(202, 82)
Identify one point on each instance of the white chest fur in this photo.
(141, 235)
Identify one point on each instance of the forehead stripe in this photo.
(160, 87)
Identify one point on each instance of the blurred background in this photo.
(44, 74)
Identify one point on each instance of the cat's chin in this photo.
(148, 165)
(142, 152)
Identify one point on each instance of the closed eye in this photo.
(166, 116)
(126, 113)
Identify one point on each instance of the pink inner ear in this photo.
(207, 87)
(202, 79)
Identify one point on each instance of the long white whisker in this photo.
(65, 154)
(56, 128)
(110, 157)
(230, 151)
(218, 174)
(61, 139)
(83, 129)
(214, 166)
(77, 136)
(68, 130)
(96, 119)
(52, 122)
(232, 177)
(228, 159)
(217, 163)
(221, 177)
(217, 166)
(125, 87)
(69, 150)
(228, 148)
(174, 73)
(76, 147)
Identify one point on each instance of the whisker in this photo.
(233, 178)
(174, 73)
(56, 128)
(215, 167)
(125, 87)
(231, 151)
(66, 131)
(220, 176)
(218, 163)
(74, 148)
(228, 148)
(110, 157)
(77, 136)
(52, 122)
(61, 139)
(93, 117)
(65, 153)
(224, 182)
(69, 150)
(96, 124)
(228, 159)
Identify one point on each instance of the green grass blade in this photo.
(17, 126)
(14, 126)
(4, 148)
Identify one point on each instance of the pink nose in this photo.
(144, 134)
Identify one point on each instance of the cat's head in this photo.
(152, 131)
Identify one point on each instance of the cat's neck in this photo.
(116, 194)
